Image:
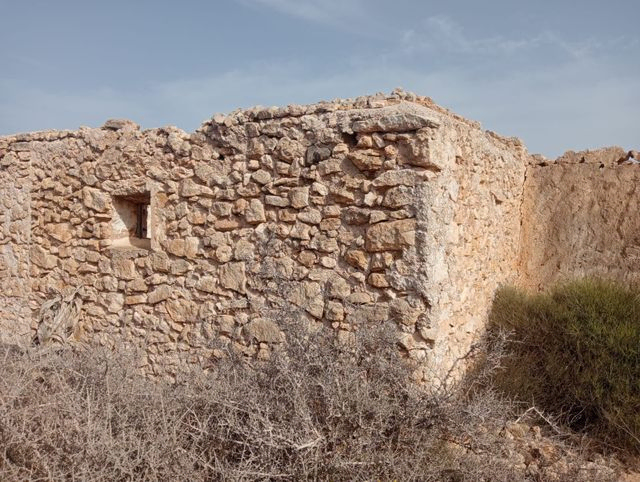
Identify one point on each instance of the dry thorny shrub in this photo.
(316, 410)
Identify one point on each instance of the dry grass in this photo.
(315, 411)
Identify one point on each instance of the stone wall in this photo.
(581, 218)
(343, 213)
(15, 239)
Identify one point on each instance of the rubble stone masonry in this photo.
(341, 213)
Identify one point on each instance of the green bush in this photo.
(575, 352)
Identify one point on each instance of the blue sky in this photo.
(558, 74)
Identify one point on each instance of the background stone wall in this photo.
(359, 211)
(581, 218)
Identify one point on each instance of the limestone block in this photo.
(357, 258)
(299, 197)
(254, 213)
(324, 244)
(334, 311)
(243, 250)
(42, 258)
(399, 177)
(95, 199)
(135, 299)
(309, 297)
(191, 247)
(261, 176)
(393, 122)
(182, 310)
(224, 253)
(288, 149)
(160, 293)
(62, 232)
(207, 284)
(355, 215)
(310, 216)
(300, 231)
(232, 276)
(277, 201)
(160, 262)
(176, 247)
(398, 197)
(337, 287)
(307, 258)
(189, 188)
(391, 236)
(366, 160)
(221, 209)
(378, 280)
(263, 330)
(123, 268)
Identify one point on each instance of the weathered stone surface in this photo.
(255, 212)
(263, 330)
(232, 276)
(95, 199)
(391, 236)
(366, 160)
(160, 293)
(335, 209)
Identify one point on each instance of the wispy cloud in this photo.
(443, 35)
(336, 13)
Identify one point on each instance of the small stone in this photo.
(276, 201)
(328, 262)
(207, 284)
(261, 176)
(334, 311)
(232, 276)
(378, 280)
(299, 197)
(263, 330)
(310, 216)
(159, 294)
(255, 212)
(307, 258)
(366, 160)
(95, 199)
(391, 236)
(357, 258)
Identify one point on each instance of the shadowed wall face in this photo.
(581, 218)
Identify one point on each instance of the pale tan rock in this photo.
(357, 258)
(95, 199)
(299, 197)
(255, 212)
(124, 268)
(310, 216)
(62, 232)
(398, 197)
(232, 276)
(263, 330)
(160, 293)
(334, 311)
(391, 236)
(378, 280)
(366, 160)
(208, 284)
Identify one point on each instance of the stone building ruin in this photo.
(380, 208)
